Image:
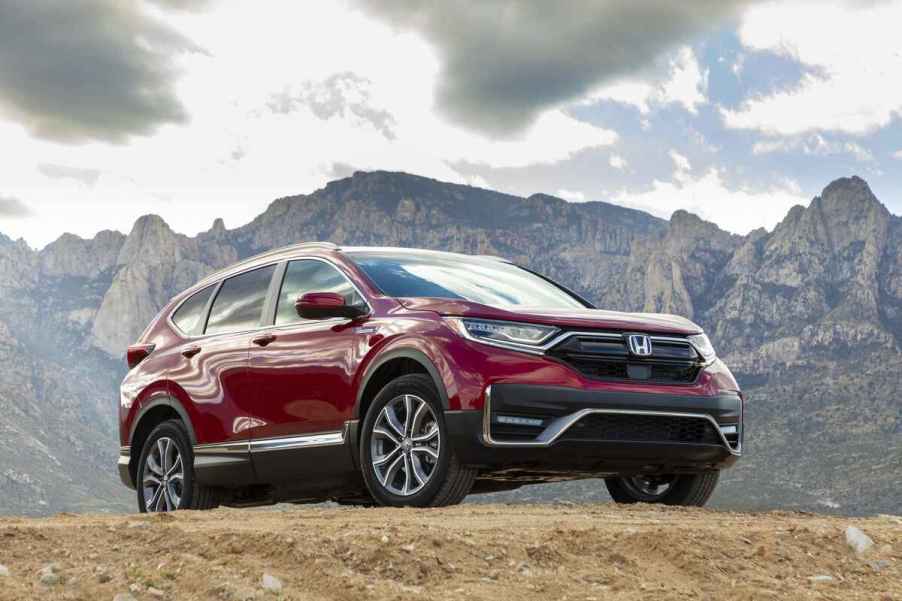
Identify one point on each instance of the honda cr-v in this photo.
(409, 377)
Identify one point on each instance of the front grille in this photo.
(673, 361)
(642, 428)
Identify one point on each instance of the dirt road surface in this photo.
(497, 552)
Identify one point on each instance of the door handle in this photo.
(264, 339)
(191, 351)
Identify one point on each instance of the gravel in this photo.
(271, 583)
(860, 542)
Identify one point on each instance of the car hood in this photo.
(659, 323)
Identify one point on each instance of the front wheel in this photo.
(404, 449)
(688, 489)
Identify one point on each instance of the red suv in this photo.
(412, 377)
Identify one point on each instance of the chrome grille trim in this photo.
(560, 425)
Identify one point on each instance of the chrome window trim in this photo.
(215, 286)
(187, 337)
(559, 426)
(278, 291)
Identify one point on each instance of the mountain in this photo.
(809, 316)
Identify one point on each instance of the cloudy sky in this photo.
(735, 110)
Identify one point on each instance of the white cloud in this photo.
(617, 162)
(571, 195)
(685, 84)
(680, 162)
(815, 145)
(736, 210)
(853, 51)
(898, 155)
(238, 152)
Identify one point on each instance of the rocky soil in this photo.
(497, 552)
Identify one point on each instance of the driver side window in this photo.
(308, 275)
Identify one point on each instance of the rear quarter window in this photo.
(189, 317)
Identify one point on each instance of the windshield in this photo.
(475, 279)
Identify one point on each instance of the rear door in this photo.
(303, 370)
(213, 375)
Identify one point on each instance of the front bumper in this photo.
(546, 429)
(125, 473)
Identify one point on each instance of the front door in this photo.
(303, 371)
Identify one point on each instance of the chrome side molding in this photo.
(279, 443)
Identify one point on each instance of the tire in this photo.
(165, 440)
(692, 490)
(447, 482)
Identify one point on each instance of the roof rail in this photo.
(269, 253)
(495, 258)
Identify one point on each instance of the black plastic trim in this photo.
(401, 353)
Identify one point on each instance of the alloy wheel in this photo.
(405, 445)
(164, 476)
(649, 488)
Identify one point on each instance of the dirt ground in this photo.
(497, 552)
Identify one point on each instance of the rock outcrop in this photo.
(808, 315)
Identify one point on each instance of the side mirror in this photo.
(324, 305)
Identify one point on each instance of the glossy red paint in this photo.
(655, 323)
(307, 377)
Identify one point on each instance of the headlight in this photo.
(703, 346)
(508, 334)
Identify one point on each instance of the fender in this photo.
(402, 353)
(168, 402)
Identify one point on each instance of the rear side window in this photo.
(239, 304)
(189, 317)
(306, 276)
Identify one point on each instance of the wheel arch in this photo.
(155, 412)
(390, 365)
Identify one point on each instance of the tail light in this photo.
(137, 353)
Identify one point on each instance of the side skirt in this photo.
(318, 464)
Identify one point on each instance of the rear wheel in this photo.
(688, 489)
(166, 472)
(404, 451)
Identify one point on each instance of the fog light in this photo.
(727, 430)
(518, 421)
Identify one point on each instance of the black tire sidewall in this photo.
(683, 491)
(421, 386)
(175, 431)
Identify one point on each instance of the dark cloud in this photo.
(88, 70)
(13, 207)
(504, 61)
(342, 94)
(86, 176)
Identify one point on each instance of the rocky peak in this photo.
(150, 240)
(71, 255)
(218, 226)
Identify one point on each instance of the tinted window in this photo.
(302, 277)
(475, 279)
(189, 316)
(240, 302)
